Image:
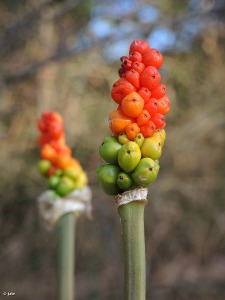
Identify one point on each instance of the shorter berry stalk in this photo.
(132, 221)
(65, 233)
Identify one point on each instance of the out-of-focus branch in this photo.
(58, 55)
(23, 26)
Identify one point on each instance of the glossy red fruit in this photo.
(122, 72)
(143, 118)
(133, 77)
(164, 105)
(145, 94)
(148, 129)
(126, 64)
(122, 58)
(150, 77)
(158, 120)
(159, 91)
(41, 125)
(151, 106)
(139, 46)
(120, 89)
(55, 130)
(138, 66)
(135, 56)
(153, 58)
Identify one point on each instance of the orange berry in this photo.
(63, 161)
(118, 121)
(132, 105)
(148, 129)
(143, 118)
(132, 130)
(48, 152)
(164, 105)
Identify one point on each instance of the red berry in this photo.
(55, 130)
(148, 129)
(159, 91)
(158, 120)
(143, 118)
(153, 58)
(164, 105)
(122, 58)
(150, 77)
(122, 72)
(135, 56)
(120, 89)
(138, 66)
(144, 93)
(133, 77)
(41, 125)
(151, 106)
(126, 64)
(139, 46)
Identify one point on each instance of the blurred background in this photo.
(63, 55)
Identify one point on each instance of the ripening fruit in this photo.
(164, 105)
(74, 173)
(143, 118)
(139, 46)
(43, 166)
(124, 181)
(138, 66)
(152, 148)
(159, 91)
(146, 172)
(139, 139)
(135, 56)
(148, 129)
(122, 138)
(129, 156)
(150, 77)
(145, 94)
(118, 121)
(120, 89)
(160, 134)
(53, 181)
(109, 151)
(158, 120)
(132, 130)
(65, 186)
(152, 58)
(107, 178)
(133, 77)
(132, 105)
(151, 106)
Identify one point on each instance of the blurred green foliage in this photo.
(185, 217)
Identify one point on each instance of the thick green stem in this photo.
(65, 232)
(132, 220)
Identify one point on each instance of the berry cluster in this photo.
(141, 97)
(64, 172)
(137, 124)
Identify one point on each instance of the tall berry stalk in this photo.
(132, 222)
(67, 196)
(65, 234)
(132, 152)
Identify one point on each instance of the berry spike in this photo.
(138, 123)
(63, 172)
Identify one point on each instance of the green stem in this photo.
(132, 220)
(65, 232)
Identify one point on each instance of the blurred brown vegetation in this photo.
(185, 217)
